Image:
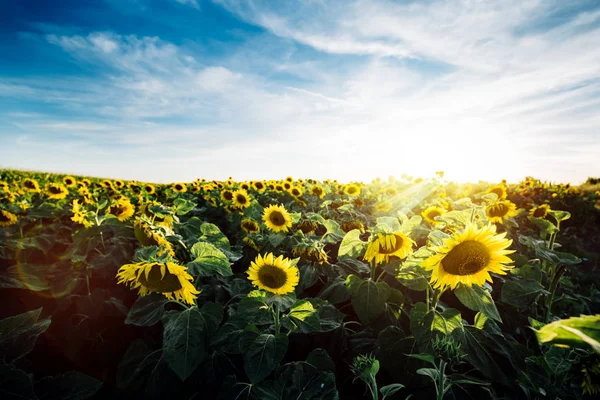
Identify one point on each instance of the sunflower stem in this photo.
(380, 275)
(178, 302)
(373, 269)
(276, 318)
(87, 281)
(553, 286)
(427, 297)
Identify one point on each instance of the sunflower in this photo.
(306, 227)
(385, 245)
(287, 186)
(275, 275)
(259, 186)
(4, 185)
(227, 195)
(250, 226)
(499, 190)
(317, 190)
(241, 199)
(245, 186)
(352, 189)
(150, 189)
(122, 209)
(289, 179)
(56, 191)
(69, 181)
(469, 256)
(311, 253)
(351, 225)
(430, 213)
(251, 243)
(86, 182)
(383, 205)
(31, 185)
(179, 187)
(169, 279)
(147, 236)
(107, 184)
(7, 218)
(540, 212)
(277, 218)
(79, 215)
(296, 191)
(500, 211)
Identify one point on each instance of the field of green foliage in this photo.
(298, 289)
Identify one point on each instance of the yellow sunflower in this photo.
(317, 190)
(352, 189)
(4, 185)
(241, 198)
(147, 236)
(540, 211)
(430, 213)
(259, 186)
(277, 218)
(86, 182)
(169, 279)
(31, 185)
(245, 186)
(122, 209)
(79, 215)
(384, 205)
(119, 183)
(150, 189)
(69, 181)
(56, 191)
(296, 191)
(385, 245)
(179, 187)
(250, 226)
(499, 190)
(7, 218)
(227, 195)
(500, 211)
(287, 186)
(311, 253)
(469, 256)
(289, 179)
(275, 275)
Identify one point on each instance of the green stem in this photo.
(380, 275)
(373, 269)
(276, 319)
(442, 384)
(553, 286)
(178, 302)
(374, 390)
(427, 297)
(87, 281)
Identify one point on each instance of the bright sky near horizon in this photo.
(173, 90)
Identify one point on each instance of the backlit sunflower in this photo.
(250, 226)
(275, 275)
(69, 181)
(31, 185)
(313, 253)
(227, 195)
(500, 211)
(7, 218)
(385, 245)
(540, 212)
(150, 189)
(384, 205)
(169, 279)
(317, 190)
(430, 213)
(122, 209)
(351, 225)
(149, 236)
(277, 218)
(352, 189)
(306, 227)
(469, 256)
(179, 187)
(499, 190)
(241, 198)
(56, 191)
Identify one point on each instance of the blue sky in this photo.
(174, 90)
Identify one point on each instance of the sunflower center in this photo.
(178, 187)
(466, 258)
(54, 190)
(277, 218)
(29, 185)
(250, 226)
(384, 249)
(228, 195)
(539, 212)
(156, 283)
(433, 214)
(148, 189)
(295, 192)
(497, 191)
(68, 181)
(241, 199)
(272, 276)
(499, 210)
(259, 186)
(117, 210)
(351, 190)
(4, 217)
(317, 191)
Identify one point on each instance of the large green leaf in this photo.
(299, 381)
(208, 261)
(368, 297)
(447, 321)
(546, 227)
(421, 321)
(582, 331)
(521, 292)
(15, 384)
(211, 233)
(303, 317)
(147, 310)
(477, 298)
(264, 355)
(19, 333)
(351, 246)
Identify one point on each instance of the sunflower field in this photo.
(298, 289)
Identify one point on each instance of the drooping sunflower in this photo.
(179, 187)
(7, 218)
(317, 190)
(540, 211)
(469, 256)
(31, 185)
(69, 181)
(313, 253)
(499, 211)
(250, 226)
(499, 190)
(56, 191)
(306, 227)
(241, 198)
(150, 189)
(275, 275)
(385, 245)
(122, 209)
(277, 218)
(351, 225)
(169, 279)
(147, 236)
(430, 213)
(352, 189)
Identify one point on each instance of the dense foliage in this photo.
(298, 289)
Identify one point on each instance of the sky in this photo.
(175, 90)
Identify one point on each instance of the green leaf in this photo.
(298, 381)
(421, 319)
(15, 384)
(351, 246)
(582, 332)
(335, 292)
(72, 385)
(430, 372)
(560, 215)
(368, 297)
(208, 261)
(522, 292)
(423, 357)
(477, 298)
(391, 223)
(330, 317)
(447, 321)
(334, 232)
(211, 233)
(320, 359)
(183, 206)
(409, 226)
(284, 302)
(264, 355)
(304, 317)
(556, 257)
(147, 310)
(19, 333)
(546, 227)
(390, 390)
